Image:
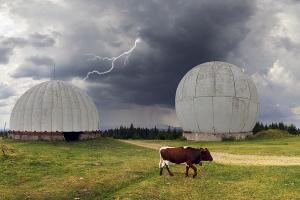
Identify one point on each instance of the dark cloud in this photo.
(41, 60)
(8, 44)
(5, 52)
(35, 40)
(6, 91)
(14, 41)
(180, 35)
(288, 44)
(36, 72)
(177, 35)
(41, 40)
(36, 67)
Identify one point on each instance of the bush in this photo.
(270, 133)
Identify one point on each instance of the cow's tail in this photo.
(162, 162)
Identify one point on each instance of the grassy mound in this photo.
(272, 133)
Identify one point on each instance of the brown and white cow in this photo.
(183, 155)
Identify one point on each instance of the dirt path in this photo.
(237, 159)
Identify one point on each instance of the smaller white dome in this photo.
(54, 106)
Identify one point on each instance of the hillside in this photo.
(272, 133)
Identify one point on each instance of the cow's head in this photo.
(205, 155)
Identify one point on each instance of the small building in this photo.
(54, 110)
(216, 101)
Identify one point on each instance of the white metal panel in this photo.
(180, 89)
(75, 110)
(190, 84)
(29, 109)
(179, 112)
(205, 85)
(57, 114)
(14, 115)
(203, 109)
(222, 111)
(84, 112)
(224, 83)
(255, 116)
(89, 109)
(97, 117)
(185, 112)
(241, 83)
(252, 115)
(94, 114)
(253, 91)
(46, 122)
(37, 107)
(67, 110)
(239, 114)
(21, 110)
(12, 119)
(20, 115)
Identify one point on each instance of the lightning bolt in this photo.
(112, 59)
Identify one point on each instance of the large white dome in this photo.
(54, 106)
(217, 97)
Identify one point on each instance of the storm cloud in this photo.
(176, 35)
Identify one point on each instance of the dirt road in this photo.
(237, 159)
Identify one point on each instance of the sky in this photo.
(174, 36)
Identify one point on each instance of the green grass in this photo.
(287, 146)
(110, 169)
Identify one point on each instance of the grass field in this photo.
(286, 146)
(110, 169)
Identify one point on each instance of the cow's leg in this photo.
(161, 167)
(170, 173)
(162, 163)
(161, 171)
(194, 168)
(187, 171)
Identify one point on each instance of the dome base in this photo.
(203, 136)
(24, 135)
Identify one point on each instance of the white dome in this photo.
(217, 97)
(54, 106)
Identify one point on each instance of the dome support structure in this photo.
(202, 136)
(67, 136)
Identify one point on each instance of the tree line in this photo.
(291, 128)
(143, 133)
(174, 133)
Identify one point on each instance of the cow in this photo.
(183, 155)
